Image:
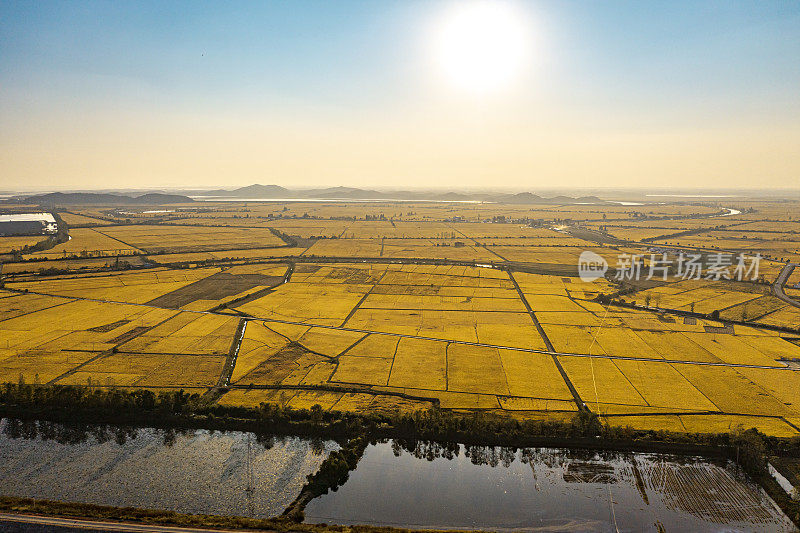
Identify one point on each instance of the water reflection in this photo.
(182, 470)
(448, 485)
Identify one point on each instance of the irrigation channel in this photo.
(411, 484)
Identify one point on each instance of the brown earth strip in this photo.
(108, 327)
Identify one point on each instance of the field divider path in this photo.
(287, 240)
(119, 240)
(77, 368)
(363, 299)
(36, 310)
(578, 401)
(756, 296)
(236, 302)
(421, 337)
(475, 241)
(701, 413)
(230, 361)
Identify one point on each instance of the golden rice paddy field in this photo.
(780, 246)
(159, 239)
(672, 225)
(133, 287)
(63, 340)
(69, 265)
(394, 333)
(400, 248)
(196, 289)
(637, 234)
(794, 279)
(234, 255)
(747, 302)
(87, 242)
(11, 244)
(256, 213)
(74, 219)
(704, 296)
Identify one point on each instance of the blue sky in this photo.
(83, 81)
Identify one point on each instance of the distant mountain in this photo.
(520, 198)
(89, 198)
(346, 193)
(276, 192)
(455, 197)
(157, 198)
(253, 191)
(530, 198)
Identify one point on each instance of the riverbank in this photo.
(130, 515)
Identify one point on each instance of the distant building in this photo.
(27, 224)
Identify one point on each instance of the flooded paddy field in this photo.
(196, 471)
(408, 484)
(428, 485)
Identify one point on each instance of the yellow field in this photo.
(150, 371)
(74, 219)
(157, 239)
(401, 335)
(68, 265)
(10, 244)
(87, 242)
(133, 287)
(186, 333)
(51, 340)
(242, 255)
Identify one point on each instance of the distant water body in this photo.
(333, 200)
(694, 195)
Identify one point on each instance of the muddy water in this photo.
(197, 471)
(434, 486)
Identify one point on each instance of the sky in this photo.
(194, 94)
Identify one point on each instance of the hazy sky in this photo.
(182, 94)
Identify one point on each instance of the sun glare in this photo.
(482, 46)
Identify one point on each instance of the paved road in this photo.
(24, 523)
(777, 287)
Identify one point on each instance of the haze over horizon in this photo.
(102, 95)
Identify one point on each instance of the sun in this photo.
(482, 46)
